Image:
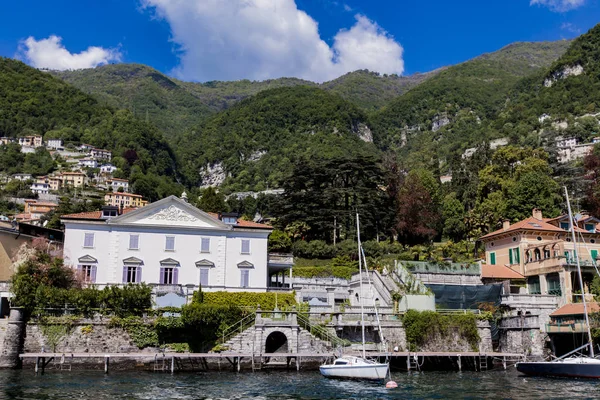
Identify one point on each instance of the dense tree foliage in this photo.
(326, 193)
(256, 139)
(32, 101)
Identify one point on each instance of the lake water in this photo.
(285, 385)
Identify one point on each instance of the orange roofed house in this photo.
(541, 249)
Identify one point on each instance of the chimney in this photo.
(505, 224)
(537, 213)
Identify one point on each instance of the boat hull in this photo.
(370, 372)
(558, 369)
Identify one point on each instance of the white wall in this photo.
(111, 247)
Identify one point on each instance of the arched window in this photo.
(537, 254)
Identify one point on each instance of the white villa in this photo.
(173, 246)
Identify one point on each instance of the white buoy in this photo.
(391, 385)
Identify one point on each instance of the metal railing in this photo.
(423, 267)
(237, 328)
(321, 332)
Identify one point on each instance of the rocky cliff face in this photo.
(567, 71)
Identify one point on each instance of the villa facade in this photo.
(171, 243)
(541, 249)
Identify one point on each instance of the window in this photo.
(594, 254)
(204, 276)
(205, 245)
(88, 240)
(493, 258)
(132, 274)
(168, 276)
(134, 242)
(170, 243)
(245, 246)
(87, 273)
(514, 256)
(590, 227)
(245, 278)
(564, 225)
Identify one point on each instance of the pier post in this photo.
(239, 359)
(298, 363)
(459, 364)
(172, 364)
(106, 361)
(504, 362)
(37, 364)
(408, 362)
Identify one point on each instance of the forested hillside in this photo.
(254, 141)
(175, 106)
(445, 114)
(35, 102)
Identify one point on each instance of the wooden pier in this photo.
(168, 361)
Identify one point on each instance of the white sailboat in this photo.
(569, 365)
(352, 367)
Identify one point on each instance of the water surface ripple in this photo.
(286, 385)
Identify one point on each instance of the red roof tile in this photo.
(91, 215)
(252, 224)
(575, 309)
(527, 224)
(499, 272)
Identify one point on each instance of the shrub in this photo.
(325, 272)
(420, 327)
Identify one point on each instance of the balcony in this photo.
(446, 268)
(280, 260)
(572, 326)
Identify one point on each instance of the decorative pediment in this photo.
(87, 259)
(205, 264)
(245, 264)
(170, 262)
(133, 260)
(170, 212)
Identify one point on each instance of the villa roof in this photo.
(499, 272)
(530, 223)
(91, 215)
(575, 309)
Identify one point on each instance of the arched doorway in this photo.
(276, 343)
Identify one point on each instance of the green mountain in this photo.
(445, 113)
(32, 101)
(251, 145)
(174, 106)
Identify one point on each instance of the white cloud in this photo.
(262, 39)
(559, 5)
(50, 53)
(569, 27)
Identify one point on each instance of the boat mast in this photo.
(587, 319)
(362, 311)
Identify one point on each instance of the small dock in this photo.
(170, 362)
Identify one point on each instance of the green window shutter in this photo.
(510, 256)
(493, 258)
(594, 254)
(517, 255)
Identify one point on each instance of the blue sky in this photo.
(258, 39)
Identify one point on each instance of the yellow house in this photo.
(124, 200)
(73, 179)
(541, 249)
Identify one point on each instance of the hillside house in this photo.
(101, 154)
(124, 200)
(542, 251)
(117, 183)
(72, 179)
(55, 144)
(172, 245)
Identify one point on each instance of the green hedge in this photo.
(122, 301)
(324, 272)
(266, 301)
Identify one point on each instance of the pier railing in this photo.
(237, 328)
